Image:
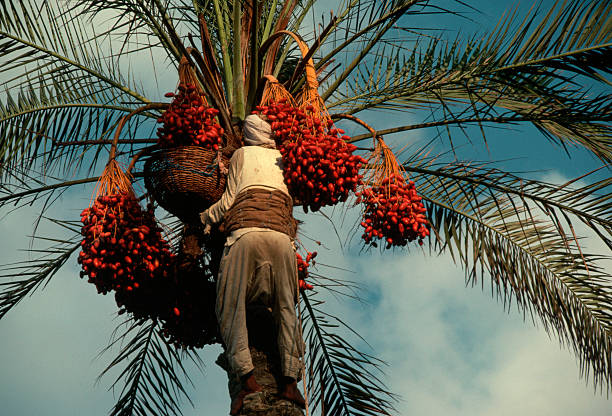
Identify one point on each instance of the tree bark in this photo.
(265, 356)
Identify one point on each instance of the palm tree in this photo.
(67, 83)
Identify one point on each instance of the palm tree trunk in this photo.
(264, 353)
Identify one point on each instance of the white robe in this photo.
(258, 265)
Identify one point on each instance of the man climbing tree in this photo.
(259, 262)
(81, 85)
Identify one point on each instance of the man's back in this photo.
(261, 167)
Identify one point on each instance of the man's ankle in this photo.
(249, 382)
(289, 391)
(286, 380)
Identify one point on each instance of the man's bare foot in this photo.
(249, 386)
(291, 392)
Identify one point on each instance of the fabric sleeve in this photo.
(215, 213)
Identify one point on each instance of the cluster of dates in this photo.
(123, 251)
(394, 213)
(318, 165)
(302, 265)
(189, 319)
(189, 121)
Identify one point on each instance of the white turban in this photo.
(257, 132)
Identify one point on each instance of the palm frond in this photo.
(369, 33)
(152, 20)
(539, 74)
(21, 279)
(153, 376)
(23, 189)
(41, 130)
(341, 379)
(58, 87)
(590, 203)
(515, 234)
(51, 41)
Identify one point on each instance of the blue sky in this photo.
(451, 349)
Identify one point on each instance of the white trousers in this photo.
(259, 267)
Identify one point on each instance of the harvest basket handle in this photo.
(311, 73)
(138, 155)
(124, 119)
(309, 97)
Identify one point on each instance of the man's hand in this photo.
(205, 220)
(207, 229)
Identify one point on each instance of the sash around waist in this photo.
(262, 208)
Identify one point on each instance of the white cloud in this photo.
(451, 350)
(535, 377)
(454, 350)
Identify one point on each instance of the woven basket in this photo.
(185, 180)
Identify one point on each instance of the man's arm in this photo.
(215, 213)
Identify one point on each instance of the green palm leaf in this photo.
(341, 379)
(521, 235)
(21, 279)
(65, 86)
(50, 131)
(537, 75)
(153, 377)
(58, 89)
(590, 204)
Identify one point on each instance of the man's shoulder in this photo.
(238, 153)
(258, 150)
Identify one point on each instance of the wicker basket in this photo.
(185, 180)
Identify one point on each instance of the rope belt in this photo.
(262, 208)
